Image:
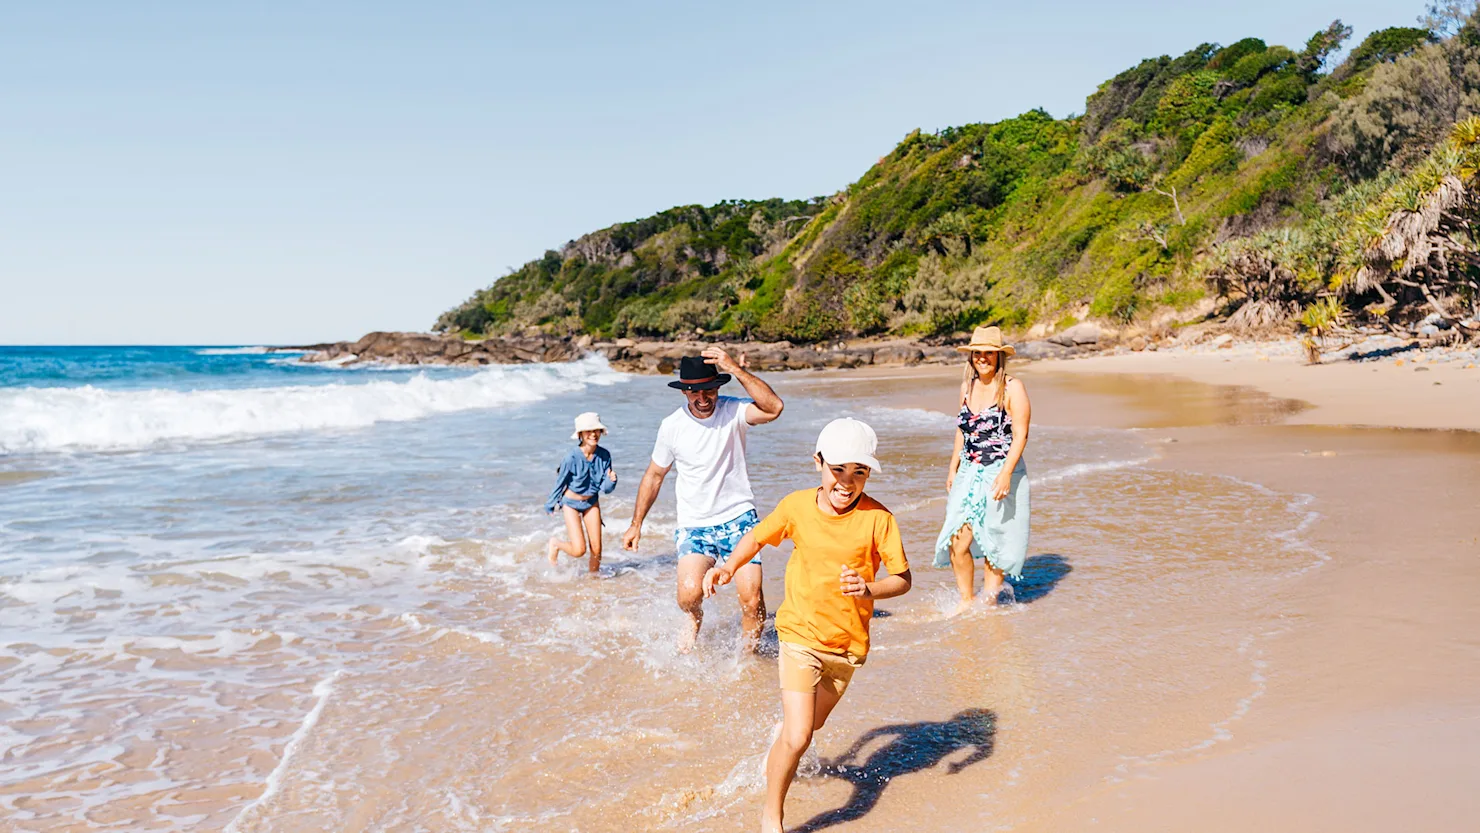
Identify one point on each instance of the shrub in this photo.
(1406, 104)
(1116, 298)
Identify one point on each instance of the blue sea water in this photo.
(241, 592)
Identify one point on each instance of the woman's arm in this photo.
(1021, 412)
(955, 461)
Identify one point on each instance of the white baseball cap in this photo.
(588, 421)
(848, 440)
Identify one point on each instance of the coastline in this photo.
(1366, 713)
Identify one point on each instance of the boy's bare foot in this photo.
(962, 607)
(771, 825)
(552, 551)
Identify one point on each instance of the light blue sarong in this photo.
(999, 528)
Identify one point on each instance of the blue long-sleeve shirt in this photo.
(582, 476)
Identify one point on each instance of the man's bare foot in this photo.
(687, 637)
(552, 551)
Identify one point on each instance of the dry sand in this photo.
(1371, 715)
(1395, 392)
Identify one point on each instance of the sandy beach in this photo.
(1365, 715)
(1231, 617)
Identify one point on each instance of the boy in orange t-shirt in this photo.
(841, 537)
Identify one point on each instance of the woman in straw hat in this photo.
(987, 513)
(584, 476)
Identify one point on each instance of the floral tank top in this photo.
(987, 436)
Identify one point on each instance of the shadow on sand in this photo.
(911, 747)
(1041, 573)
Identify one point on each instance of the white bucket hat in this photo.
(588, 421)
(848, 440)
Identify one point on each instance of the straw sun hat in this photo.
(987, 340)
(588, 421)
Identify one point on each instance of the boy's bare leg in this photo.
(691, 569)
(961, 565)
(752, 605)
(802, 713)
(575, 543)
(592, 521)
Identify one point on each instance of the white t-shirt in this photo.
(709, 457)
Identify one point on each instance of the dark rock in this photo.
(1034, 350)
(898, 354)
(761, 360)
(1077, 335)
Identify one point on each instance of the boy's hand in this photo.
(852, 583)
(716, 577)
(612, 473)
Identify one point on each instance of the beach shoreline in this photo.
(1366, 711)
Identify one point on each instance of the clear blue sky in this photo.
(255, 173)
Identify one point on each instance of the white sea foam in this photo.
(231, 351)
(322, 691)
(1080, 469)
(93, 419)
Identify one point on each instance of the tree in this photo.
(1446, 17)
(1320, 47)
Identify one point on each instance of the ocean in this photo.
(239, 592)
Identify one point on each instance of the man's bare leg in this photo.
(691, 569)
(752, 605)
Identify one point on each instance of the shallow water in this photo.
(323, 604)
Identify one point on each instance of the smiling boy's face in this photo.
(842, 483)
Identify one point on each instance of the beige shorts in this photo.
(806, 669)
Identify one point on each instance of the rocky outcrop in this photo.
(649, 357)
(424, 348)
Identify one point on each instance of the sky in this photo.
(287, 173)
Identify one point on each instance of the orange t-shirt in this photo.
(816, 613)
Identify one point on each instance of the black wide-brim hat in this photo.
(696, 374)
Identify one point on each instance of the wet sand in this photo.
(1367, 711)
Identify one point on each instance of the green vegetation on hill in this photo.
(1251, 173)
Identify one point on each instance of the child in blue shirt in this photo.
(584, 475)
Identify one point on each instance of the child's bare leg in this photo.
(575, 543)
(991, 582)
(691, 569)
(961, 565)
(592, 520)
(798, 714)
(752, 605)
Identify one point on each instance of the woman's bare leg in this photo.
(576, 539)
(592, 520)
(991, 582)
(963, 568)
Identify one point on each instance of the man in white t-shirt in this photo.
(705, 441)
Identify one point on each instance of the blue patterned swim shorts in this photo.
(716, 542)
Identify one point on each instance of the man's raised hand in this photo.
(722, 361)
